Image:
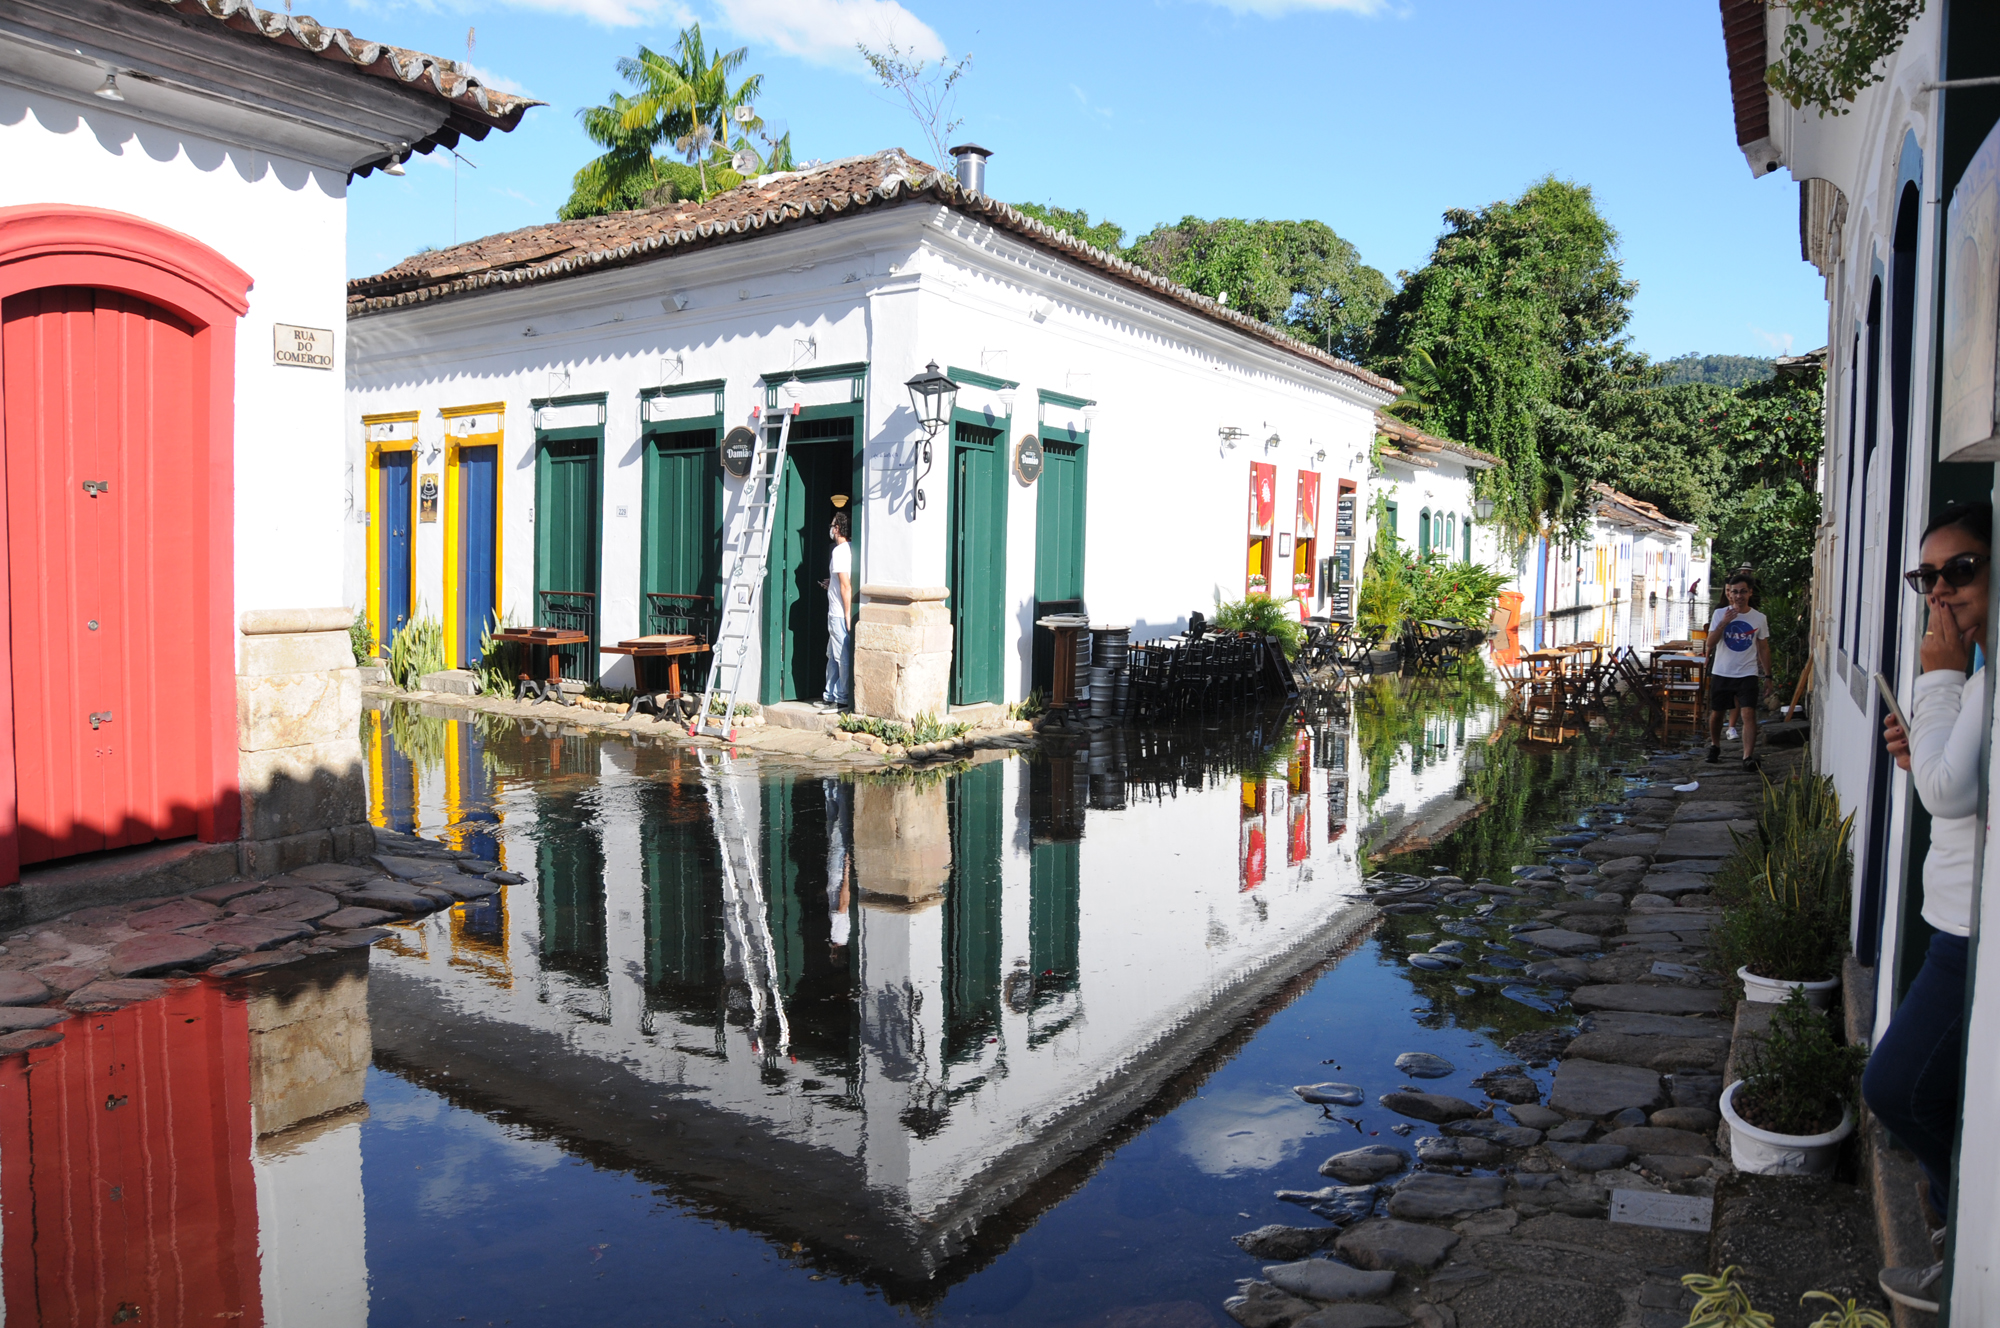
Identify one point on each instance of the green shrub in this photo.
(1264, 616)
(420, 737)
(417, 650)
(1785, 889)
(499, 661)
(361, 638)
(1798, 1080)
(1029, 706)
(926, 728)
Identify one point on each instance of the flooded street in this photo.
(1010, 1042)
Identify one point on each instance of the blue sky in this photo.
(1373, 116)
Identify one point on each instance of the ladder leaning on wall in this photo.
(744, 590)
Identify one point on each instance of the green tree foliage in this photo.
(1298, 276)
(1721, 370)
(1106, 235)
(683, 105)
(1835, 48)
(1522, 309)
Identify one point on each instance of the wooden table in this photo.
(670, 646)
(546, 639)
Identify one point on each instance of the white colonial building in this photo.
(534, 422)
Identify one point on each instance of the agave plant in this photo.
(418, 649)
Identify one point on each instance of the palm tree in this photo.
(682, 100)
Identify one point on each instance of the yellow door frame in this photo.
(395, 431)
(470, 426)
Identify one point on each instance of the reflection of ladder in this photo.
(746, 920)
(745, 587)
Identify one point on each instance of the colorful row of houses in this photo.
(535, 420)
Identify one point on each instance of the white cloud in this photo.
(490, 79)
(824, 32)
(1779, 342)
(1279, 8)
(612, 13)
(1083, 100)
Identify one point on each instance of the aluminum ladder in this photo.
(749, 948)
(744, 590)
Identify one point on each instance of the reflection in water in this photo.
(747, 1041)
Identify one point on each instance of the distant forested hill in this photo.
(1721, 370)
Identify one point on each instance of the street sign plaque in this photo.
(739, 451)
(1028, 458)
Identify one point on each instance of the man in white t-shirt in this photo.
(839, 585)
(1739, 660)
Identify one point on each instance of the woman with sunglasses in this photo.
(1912, 1080)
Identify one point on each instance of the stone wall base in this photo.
(902, 652)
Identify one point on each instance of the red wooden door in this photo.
(98, 391)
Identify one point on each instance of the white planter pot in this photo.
(1762, 1153)
(1772, 991)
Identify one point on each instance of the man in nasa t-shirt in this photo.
(1739, 659)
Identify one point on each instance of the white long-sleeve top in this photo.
(1947, 719)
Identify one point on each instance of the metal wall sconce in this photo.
(1227, 437)
(1271, 443)
(1482, 508)
(932, 396)
(1007, 401)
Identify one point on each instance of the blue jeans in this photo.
(1912, 1080)
(839, 665)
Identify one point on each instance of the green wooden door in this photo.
(978, 562)
(681, 870)
(819, 463)
(680, 538)
(569, 538)
(1059, 507)
(569, 869)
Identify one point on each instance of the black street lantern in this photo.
(931, 396)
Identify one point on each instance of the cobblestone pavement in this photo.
(1505, 1218)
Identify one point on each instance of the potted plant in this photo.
(1785, 893)
(1795, 1102)
(1257, 582)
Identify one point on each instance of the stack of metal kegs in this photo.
(1110, 674)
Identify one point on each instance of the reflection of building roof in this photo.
(1413, 447)
(766, 205)
(1625, 510)
(474, 108)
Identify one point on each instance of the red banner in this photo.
(1263, 499)
(1308, 524)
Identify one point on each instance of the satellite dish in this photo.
(746, 162)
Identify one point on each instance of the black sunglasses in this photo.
(1958, 573)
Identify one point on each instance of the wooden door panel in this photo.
(395, 471)
(978, 564)
(102, 592)
(478, 495)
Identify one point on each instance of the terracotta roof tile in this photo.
(1410, 439)
(1744, 40)
(476, 108)
(763, 205)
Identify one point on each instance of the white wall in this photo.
(283, 223)
(1166, 521)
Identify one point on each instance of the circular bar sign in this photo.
(739, 451)
(1028, 458)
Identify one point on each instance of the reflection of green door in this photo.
(819, 463)
(680, 542)
(1059, 505)
(681, 870)
(569, 866)
(568, 533)
(972, 911)
(978, 557)
(1055, 917)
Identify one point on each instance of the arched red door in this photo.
(117, 671)
(100, 466)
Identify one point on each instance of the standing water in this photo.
(752, 1042)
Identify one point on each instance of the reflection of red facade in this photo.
(1301, 831)
(1255, 853)
(126, 1192)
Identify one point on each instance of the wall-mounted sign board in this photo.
(1028, 459)
(302, 347)
(739, 451)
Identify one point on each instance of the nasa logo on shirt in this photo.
(1739, 634)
